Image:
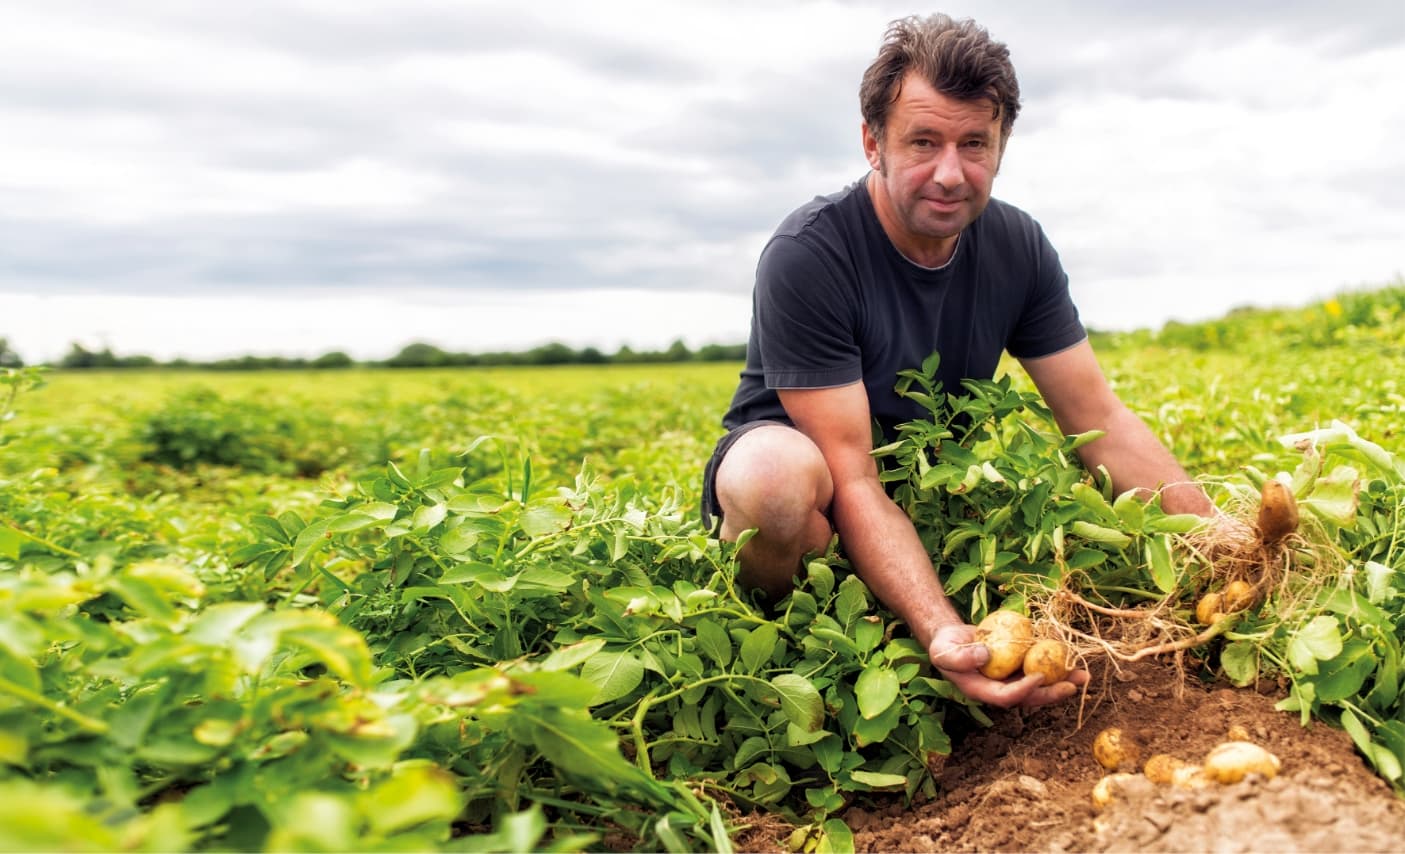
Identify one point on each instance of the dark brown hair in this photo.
(958, 58)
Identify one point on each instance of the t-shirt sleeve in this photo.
(804, 319)
(1049, 322)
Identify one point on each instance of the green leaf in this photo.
(1352, 724)
(714, 642)
(749, 750)
(1100, 534)
(875, 780)
(800, 701)
(876, 689)
(218, 623)
(569, 656)
(1319, 640)
(310, 539)
(427, 516)
(852, 602)
(1345, 674)
(574, 742)
(1158, 558)
(721, 841)
(614, 674)
(820, 578)
(1093, 500)
(759, 646)
(1333, 498)
(10, 542)
(342, 650)
(1130, 510)
(544, 517)
(1240, 661)
(412, 795)
(836, 839)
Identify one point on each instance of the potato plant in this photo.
(487, 618)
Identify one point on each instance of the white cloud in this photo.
(262, 159)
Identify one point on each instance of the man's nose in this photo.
(947, 172)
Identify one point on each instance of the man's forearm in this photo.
(881, 541)
(1136, 459)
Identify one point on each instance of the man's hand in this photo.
(958, 655)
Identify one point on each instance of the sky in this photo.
(206, 180)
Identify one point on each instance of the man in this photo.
(856, 286)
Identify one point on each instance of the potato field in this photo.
(474, 610)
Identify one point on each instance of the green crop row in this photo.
(476, 611)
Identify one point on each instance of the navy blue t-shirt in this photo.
(835, 302)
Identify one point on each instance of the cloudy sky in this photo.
(210, 179)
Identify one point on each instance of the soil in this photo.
(1026, 783)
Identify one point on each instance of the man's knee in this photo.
(774, 478)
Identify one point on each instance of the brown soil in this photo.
(1026, 783)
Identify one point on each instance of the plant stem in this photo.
(92, 725)
(40, 540)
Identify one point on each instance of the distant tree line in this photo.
(416, 355)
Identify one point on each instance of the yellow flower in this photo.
(1333, 307)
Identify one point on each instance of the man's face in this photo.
(935, 164)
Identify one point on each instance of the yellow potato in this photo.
(1105, 790)
(1209, 608)
(1238, 595)
(1008, 636)
(1162, 767)
(1114, 750)
(1190, 777)
(1234, 760)
(1278, 511)
(1049, 659)
(1237, 732)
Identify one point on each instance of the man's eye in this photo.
(975, 143)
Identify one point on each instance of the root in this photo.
(1220, 627)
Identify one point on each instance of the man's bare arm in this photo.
(1076, 390)
(881, 541)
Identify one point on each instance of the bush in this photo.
(199, 426)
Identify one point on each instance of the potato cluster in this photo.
(1014, 648)
(1229, 762)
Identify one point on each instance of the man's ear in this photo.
(872, 149)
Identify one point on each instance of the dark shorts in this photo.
(711, 509)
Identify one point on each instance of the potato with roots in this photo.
(1278, 511)
(1236, 596)
(1008, 636)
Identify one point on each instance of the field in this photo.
(474, 610)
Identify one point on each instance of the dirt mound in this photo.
(1026, 783)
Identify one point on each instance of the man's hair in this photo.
(958, 58)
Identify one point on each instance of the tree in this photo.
(8, 357)
(334, 359)
(418, 355)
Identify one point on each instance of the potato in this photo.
(1114, 750)
(1278, 511)
(1161, 768)
(1210, 608)
(1106, 789)
(1008, 636)
(1238, 732)
(1048, 658)
(1190, 777)
(1238, 595)
(1234, 760)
